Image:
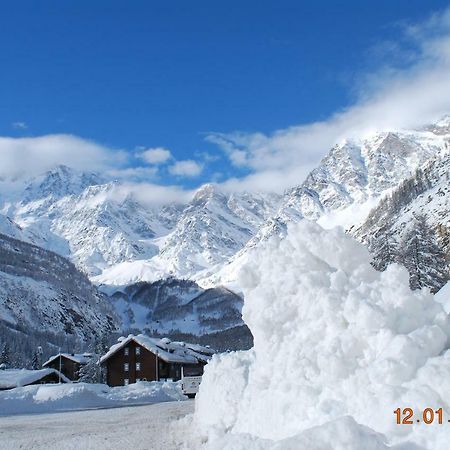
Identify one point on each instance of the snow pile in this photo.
(72, 396)
(443, 296)
(338, 347)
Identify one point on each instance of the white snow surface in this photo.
(156, 427)
(11, 378)
(338, 347)
(443, 297)
(43, 398)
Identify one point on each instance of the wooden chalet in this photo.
(68, 363)
(12, 378)
(142, 358)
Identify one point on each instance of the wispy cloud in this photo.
(148, 194)
(395, 96)
(133, 173)
(157, 155)
(32, 156)
(187, 168)
(19, 125)
(390, 98)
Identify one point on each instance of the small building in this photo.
(68, 363)
(12, 378)
(142, 358)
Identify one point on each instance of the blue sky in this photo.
(142, 74)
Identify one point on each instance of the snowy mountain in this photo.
(10, 228)
(411, 225)
(93, 224)
(121, 243)
(355, 172)
(112, 237)
(210, 229)
(350, 181)
(173, 306)
(40, 290)
(59, 182)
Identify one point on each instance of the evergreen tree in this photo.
(36, 361)
(5, 356)
(385, 249)
(90, 372)
(423, 257)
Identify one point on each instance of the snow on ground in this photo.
(44, 398)
(148, 427)
(443, 297)
(338, 347)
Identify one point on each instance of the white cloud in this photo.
(390, 99)
(32, 156)
(150, 194)
(187, 168)
(131, 173)
(19, 125)
(157, 155)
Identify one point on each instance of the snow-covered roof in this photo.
(80, 358)
(173, 352)
(198, 351)
(11, 378)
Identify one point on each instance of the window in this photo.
(126, 367)
(192, 371)
(126, 351)
(138, 351)
(126, 381)
(138, 366)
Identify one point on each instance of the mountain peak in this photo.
(444, 121)
(59, 182)
(205, 193)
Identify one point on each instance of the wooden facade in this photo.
(133, 362)
(70, 364)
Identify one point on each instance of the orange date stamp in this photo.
(428, 416)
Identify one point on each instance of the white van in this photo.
(191, 377)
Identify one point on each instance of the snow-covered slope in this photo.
(94, 224)
(210, 229)
(343, 189)
(177, 306)
(40, 290)
(107, 233)
(355, 171)
(411, 225)
(10, 228)
(118, 241)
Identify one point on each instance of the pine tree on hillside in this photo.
(384, 248)
(5, 356)
(423, 257)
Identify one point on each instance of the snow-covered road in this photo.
(147, 427)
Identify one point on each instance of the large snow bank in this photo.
(443, 297)
(72, 396)
(338, 347)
